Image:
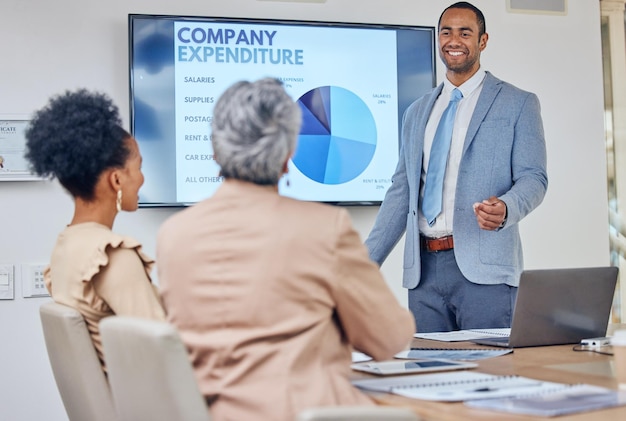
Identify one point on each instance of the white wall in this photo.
(49, 46)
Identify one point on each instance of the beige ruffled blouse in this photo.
(101, 274)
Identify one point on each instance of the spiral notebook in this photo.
(459, 386)
(465, 335)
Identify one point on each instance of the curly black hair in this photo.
(74, 138)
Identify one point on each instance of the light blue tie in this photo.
(433, 188)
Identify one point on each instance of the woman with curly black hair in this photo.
(77, 138)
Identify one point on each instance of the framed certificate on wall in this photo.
(13, 164)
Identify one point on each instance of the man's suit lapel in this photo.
(491, 87)
(414, 160)
(421, 122)
(425, 114)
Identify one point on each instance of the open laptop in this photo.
(559, 306)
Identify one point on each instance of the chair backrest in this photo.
(75, 364)
(149, 371)
(357, 413)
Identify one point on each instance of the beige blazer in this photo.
(270, 294)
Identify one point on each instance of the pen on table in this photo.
(495, 389)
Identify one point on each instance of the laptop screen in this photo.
(561, 306)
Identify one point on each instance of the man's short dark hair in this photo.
(480, 18)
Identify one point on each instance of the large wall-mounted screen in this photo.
(352, 82)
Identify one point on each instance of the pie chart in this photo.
(337, 139)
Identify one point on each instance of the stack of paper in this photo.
(572, 399)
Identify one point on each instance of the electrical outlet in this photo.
(7, 282)
(32, 280)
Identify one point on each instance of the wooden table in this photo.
(550, 363)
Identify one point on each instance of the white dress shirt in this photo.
(471, 90)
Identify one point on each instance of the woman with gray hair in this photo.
(271, 294)
(254, 131)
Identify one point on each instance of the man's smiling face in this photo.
(460, 44)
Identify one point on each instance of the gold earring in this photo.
(118, 202)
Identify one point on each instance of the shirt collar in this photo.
(469, 85)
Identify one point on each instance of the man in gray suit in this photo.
(462, 266)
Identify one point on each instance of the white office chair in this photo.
(357, 413)
(149, 371)
(77, 370)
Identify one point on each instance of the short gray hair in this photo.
(254, 130)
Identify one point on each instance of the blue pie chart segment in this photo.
(338, 136)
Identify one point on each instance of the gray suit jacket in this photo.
(504, 155)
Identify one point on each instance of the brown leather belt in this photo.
(437, 244)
